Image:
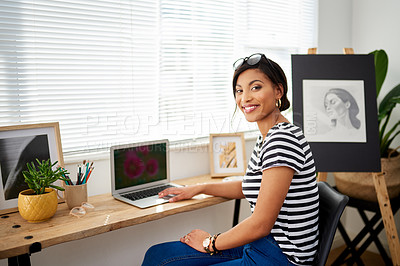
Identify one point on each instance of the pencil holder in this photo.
(74, 195)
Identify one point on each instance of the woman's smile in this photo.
(249, 108)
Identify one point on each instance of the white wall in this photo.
(365, 25)
(376, 25)
(334, 26)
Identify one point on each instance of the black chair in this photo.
(331, 206)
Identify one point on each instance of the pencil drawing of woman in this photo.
(342, 109)
(334, 110)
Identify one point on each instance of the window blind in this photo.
(278, 29)
(114, 72)
(196, 54)
(82, 63)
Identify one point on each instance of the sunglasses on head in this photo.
(251, 60)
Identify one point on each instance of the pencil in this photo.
(87, 178)
(68, 181)
(78, 179)
(84, 180)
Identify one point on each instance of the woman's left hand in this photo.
(195, 239)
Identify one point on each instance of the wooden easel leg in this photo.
(387, 216)
(312, 50)
(348, 50)
(322, 176)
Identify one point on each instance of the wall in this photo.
(333, 33)
(364, 25)
(377, 26)
(361, 24)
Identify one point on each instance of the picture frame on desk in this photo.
(19, 145)
(227, 154)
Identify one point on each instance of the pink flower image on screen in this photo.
(144, 150)
(133, 166)
(152, 167)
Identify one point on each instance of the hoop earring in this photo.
(278, 103)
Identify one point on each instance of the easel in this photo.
(382, 196)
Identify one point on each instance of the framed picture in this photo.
(227, 154)
(19, 145)
(334, 102)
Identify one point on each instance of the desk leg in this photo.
(24, 259)
(21, 260)
(387, 217)
(236, 212)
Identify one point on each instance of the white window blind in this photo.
(277, 29)
(120, 71)
(196, 53)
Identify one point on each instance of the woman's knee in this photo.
(162, 252)
(154, 249)
(151, 256)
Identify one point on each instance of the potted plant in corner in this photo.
(39, 202)
(360, 185)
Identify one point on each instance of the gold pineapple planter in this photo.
(37, 208)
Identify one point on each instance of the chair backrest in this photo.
(331, 206)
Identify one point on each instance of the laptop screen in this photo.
(140, 165)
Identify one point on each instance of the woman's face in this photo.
(335, 107)
(256, 95)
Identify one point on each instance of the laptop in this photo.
(139, 171)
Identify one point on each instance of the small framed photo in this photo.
(227, 154)
(19, 145)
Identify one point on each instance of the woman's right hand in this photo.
(180, 193)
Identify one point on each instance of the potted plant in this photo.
(39, 202)
(360, 185)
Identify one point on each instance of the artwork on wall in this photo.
(19, 145)
(334, 102)
(227, 154)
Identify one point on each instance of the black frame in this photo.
(340, 156)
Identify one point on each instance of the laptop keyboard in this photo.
(145, 193)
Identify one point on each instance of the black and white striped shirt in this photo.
(296, 228)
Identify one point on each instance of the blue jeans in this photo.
(264, 251)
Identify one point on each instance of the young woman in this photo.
(279, 184)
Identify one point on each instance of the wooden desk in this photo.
(19, 237)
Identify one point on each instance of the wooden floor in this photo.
(369, 258)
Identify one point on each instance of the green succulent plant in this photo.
(41, 176)
(386, 106)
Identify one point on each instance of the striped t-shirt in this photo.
(296, 228)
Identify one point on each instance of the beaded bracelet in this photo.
(214, 238)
